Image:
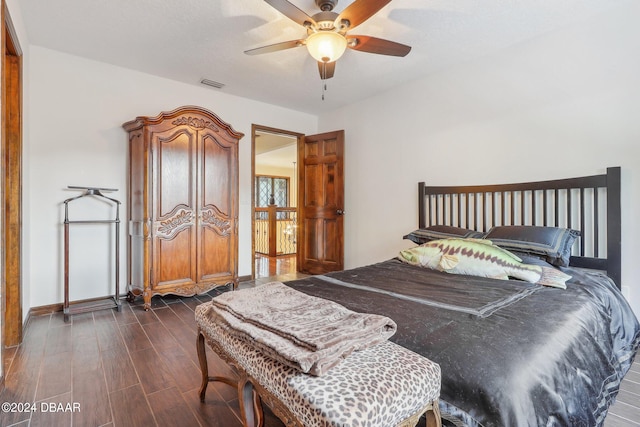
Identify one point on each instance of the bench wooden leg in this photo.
(433, 415)
(257, 406)
(250, 408)
(204, 368)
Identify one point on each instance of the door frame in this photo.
(10, 185)
(299, 139)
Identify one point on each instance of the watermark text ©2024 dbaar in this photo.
(40, 407)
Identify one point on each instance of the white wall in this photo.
(562, 105)
(76, 109)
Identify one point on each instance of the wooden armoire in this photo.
(183, 203)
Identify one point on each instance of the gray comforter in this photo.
(511, 353)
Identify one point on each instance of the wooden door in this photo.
(321, 203)
(217, 212)
(173, 207)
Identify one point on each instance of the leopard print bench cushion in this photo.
(379, 386)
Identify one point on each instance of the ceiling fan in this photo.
(327, 37)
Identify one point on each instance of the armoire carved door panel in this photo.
(218, 198)
(183, 203)
(174, 207)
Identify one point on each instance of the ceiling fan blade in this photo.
(291, 11)
(275, 47)
(359, 11)
(326, 69)
(376, 45)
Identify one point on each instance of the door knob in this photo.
(339, 212)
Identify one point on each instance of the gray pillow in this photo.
(550, 243)
(436, 232)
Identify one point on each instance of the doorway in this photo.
(274, 202)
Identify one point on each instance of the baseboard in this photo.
(55, 308)
(44, 309)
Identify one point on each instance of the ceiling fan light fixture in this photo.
(326, 46)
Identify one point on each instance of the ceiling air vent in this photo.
(212, 83)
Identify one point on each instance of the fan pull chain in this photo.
(323, 79)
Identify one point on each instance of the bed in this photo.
(512, 353)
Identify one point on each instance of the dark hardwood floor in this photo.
(626, 411)
(137, 368)
(132, 368)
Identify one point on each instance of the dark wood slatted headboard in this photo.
(590, 204)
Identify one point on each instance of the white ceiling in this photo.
(267, 142)
(195, 39)
(280, 158)
(276, 150)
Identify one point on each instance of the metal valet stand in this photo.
(103, 303)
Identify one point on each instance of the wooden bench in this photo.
(384, 385)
